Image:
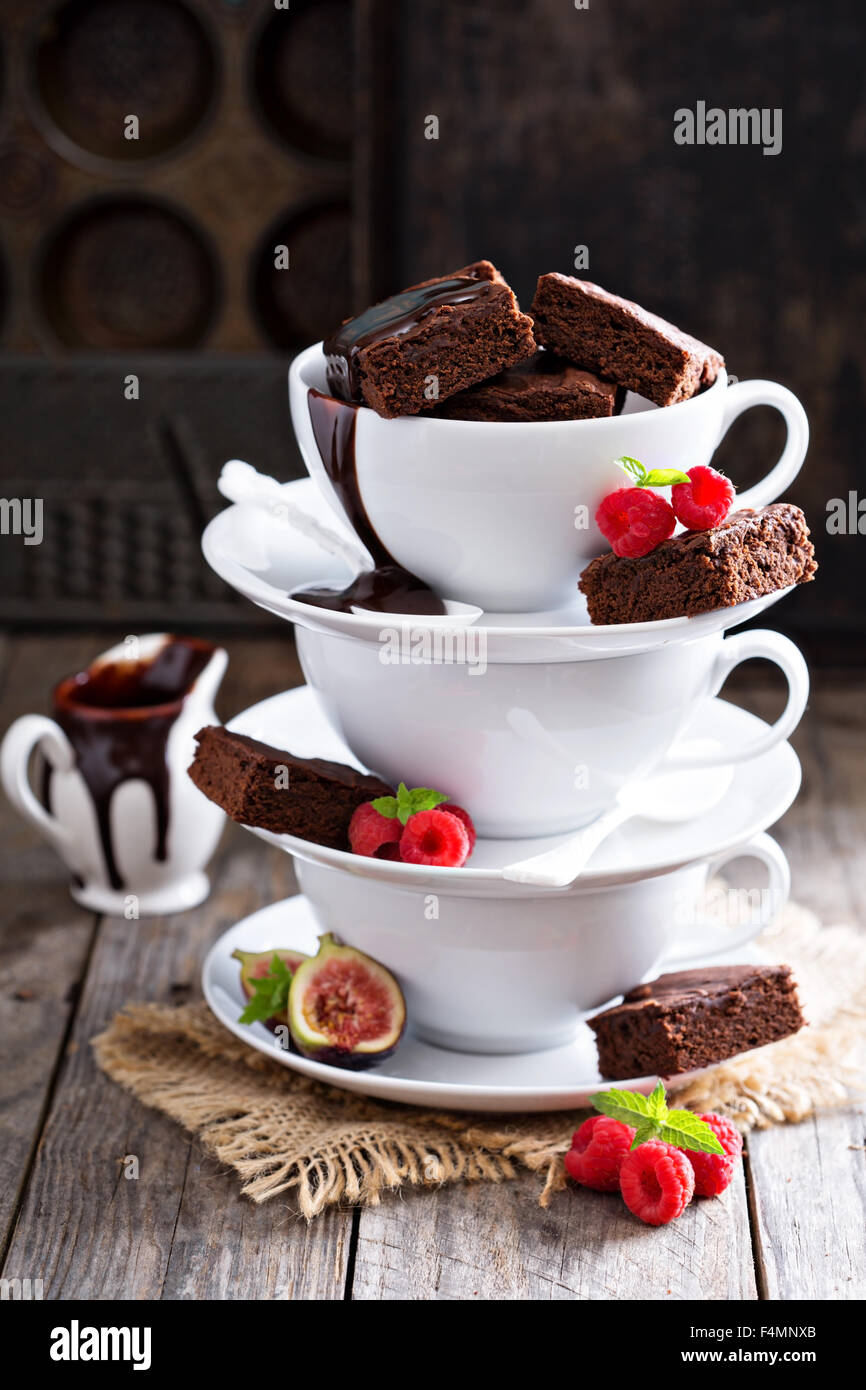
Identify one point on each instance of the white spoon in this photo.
(240, 482)
(668, 797)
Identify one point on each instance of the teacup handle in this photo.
(769, 646)
(719, 940)
(29, 732)
(742, 396)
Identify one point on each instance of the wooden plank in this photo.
(179, 1230)
(808, 1239)
(44, 937)
(223, 1246)
(119, 1234)
(494, 1242)
(808, 1197)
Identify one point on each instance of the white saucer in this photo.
(759, 794)
(266, 560)
(563, 1078)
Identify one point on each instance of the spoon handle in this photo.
(240, 482)
(559, 867)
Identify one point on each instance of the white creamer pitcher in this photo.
(115, 800)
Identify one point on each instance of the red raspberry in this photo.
(635, 520)
(434, 837)
(463, 816)
(391, 850)
(597, 1152)
(713, 1172)
(657, 1182)
(704, 501)
(372, 834)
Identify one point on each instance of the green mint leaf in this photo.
(271, 993)
(258, 1010)
(404, 803)
(408, 803)
(686, 1130)
(650, 1118)
(425, 799)
(629, 1107)
(644, 1132)
(657, 1102)
(642, 476)
(663, 477)
(634, 468)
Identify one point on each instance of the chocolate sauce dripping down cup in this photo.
(388, 587)
(115, 800)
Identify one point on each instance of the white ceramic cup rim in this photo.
(314, 356)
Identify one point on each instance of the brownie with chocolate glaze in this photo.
(423, 345)
(693, 1018)
(621, 341)
(750, 554)
(545, 387)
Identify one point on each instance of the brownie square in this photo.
(315, 801)
(545, 387)
(693, 1018)
(750, 554)
(455, 331)
(621, 341)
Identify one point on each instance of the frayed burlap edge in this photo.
(282, 1132)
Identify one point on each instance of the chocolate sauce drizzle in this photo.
(387, 588)
(396, 315)
(118, 716)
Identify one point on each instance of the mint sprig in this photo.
(271, 995)
(650, 1118)
(407, 803)
(642, 476)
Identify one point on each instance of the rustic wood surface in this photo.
(181, 1231)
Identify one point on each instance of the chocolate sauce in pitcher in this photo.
(118, 716)
(388, 587)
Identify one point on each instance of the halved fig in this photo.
(345, 1008)
(256, 964)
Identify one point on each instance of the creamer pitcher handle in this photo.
(29, 732)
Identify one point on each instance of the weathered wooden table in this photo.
(181, 1231)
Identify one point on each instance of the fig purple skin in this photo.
(345, 1008)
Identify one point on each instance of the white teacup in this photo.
(501, 514)
(136, 845)
(538, 748)
(512, 973)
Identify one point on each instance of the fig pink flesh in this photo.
(348, 1004)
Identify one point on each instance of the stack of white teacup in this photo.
(604, 777)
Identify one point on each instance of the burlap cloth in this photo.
(282, 1132)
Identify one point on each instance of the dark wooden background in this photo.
(308, 126)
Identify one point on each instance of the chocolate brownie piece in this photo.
(751, 553)
(620, 340)
(443, 335)
(693, 1018)
(313, 799)
(545, 387)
